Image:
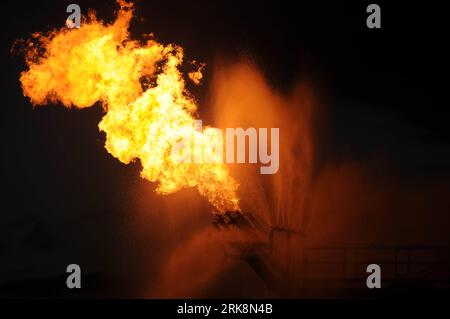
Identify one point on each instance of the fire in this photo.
(197, 76)
(147, 106)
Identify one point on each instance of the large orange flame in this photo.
(143, 93)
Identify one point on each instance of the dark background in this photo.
(63, 198)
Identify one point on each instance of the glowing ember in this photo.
(148, 108)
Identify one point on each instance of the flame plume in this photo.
(142, 92)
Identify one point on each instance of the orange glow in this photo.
(142, 91)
